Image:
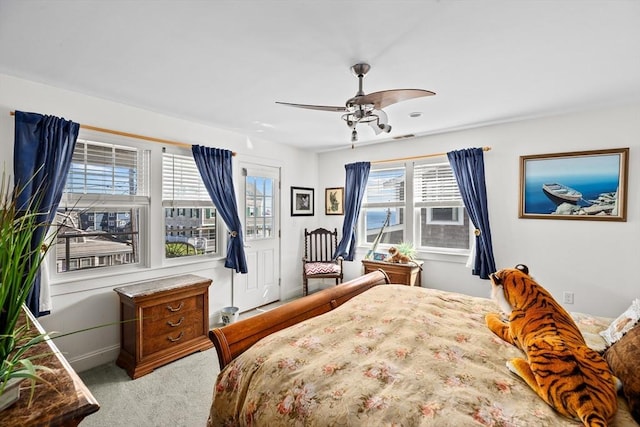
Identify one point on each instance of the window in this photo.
(259, 208)
(385, 198)
(190, 226)
(445, 216)
(439, 222)
(442, 219)
(105, 200)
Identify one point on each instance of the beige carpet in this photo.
(177, 394)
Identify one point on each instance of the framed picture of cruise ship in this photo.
(581, 185)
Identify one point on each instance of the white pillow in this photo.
(622, 324)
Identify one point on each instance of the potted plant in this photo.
(403, 252)
(20, 259)
(407, 249)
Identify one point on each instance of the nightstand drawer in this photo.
(171, 309)
(168, 325)
(174, 338)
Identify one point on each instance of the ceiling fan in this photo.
(367, 108)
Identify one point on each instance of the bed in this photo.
(370, 353)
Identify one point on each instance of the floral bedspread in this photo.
(392, 356)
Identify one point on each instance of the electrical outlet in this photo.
(567, 297)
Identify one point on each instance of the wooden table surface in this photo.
(65, 404)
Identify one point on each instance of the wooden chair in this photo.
(318, 263)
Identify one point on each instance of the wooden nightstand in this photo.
(164, 320)
(405, 274)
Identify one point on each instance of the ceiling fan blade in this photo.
(385, 98)
(315, 107)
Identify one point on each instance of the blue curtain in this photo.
(43, 148)
(355, 186)
(215, 168)
(468, 168)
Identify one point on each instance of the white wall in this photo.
(595, 260)
(82, 303)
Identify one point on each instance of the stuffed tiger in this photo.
(575, 380)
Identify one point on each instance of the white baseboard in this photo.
(95, 358)
(109, 354)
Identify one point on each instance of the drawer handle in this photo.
(175, 339)
(170, 323)
(175, 309)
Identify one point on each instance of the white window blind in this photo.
(105, 205)
(385, 186)
(190, 218)
(435, 185)
(181, 180)
(107, 169)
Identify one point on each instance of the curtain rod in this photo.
(424, 156)
(134, 135)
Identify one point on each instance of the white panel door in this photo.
(260, 213)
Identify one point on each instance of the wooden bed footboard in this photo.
(232, 340)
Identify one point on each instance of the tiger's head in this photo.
(504, 285)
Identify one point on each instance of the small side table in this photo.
(163, 320)
(400, 273)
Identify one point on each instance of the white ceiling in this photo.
(225, 63)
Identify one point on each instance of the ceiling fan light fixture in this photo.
(377, 128)
(385, 128)
(367, 108)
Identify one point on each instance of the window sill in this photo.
(459, 257)
(89, 280)
(443, 256)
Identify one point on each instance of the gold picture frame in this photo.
(334, 201)
(579, 185)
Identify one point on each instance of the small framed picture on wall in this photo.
(334, 201)
(302, 201)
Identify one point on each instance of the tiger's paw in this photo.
(497, 326)
(494, 320)
(521, 368)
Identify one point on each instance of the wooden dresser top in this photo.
(164, 284)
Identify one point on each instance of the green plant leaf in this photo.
(20, 258)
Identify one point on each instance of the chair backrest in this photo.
(320, 244)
